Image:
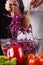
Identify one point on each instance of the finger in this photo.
(16, 4)
(39, 3)
(33, 5)
(32, 2)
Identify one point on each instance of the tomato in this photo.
(34, 61)
(41, 61)
(41, 58)
(16, 51)
(28, 57)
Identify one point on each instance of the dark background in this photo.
(4, 22)
(2, 7)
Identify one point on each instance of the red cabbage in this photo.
(16, 26)
(29, 46)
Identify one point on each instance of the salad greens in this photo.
(5, 61)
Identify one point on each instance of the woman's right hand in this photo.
(8, 6)
(12, 6)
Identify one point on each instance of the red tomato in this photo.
(41, 61)
(29, 56)
(34, 61)
(41, 58)
(16, 51)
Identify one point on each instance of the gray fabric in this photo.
(40, 50)
(36, 19)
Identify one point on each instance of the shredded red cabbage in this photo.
(16, 26)
(29, 46)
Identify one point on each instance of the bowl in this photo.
(29, 46)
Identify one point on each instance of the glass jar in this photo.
(29, 46)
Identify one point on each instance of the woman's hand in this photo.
(36, 3)
(12, 6)
(8, 5)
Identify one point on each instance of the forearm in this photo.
(26, 21)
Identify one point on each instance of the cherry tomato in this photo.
(16, 51)
(34, 61)
(29, 56)
(41, 58)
